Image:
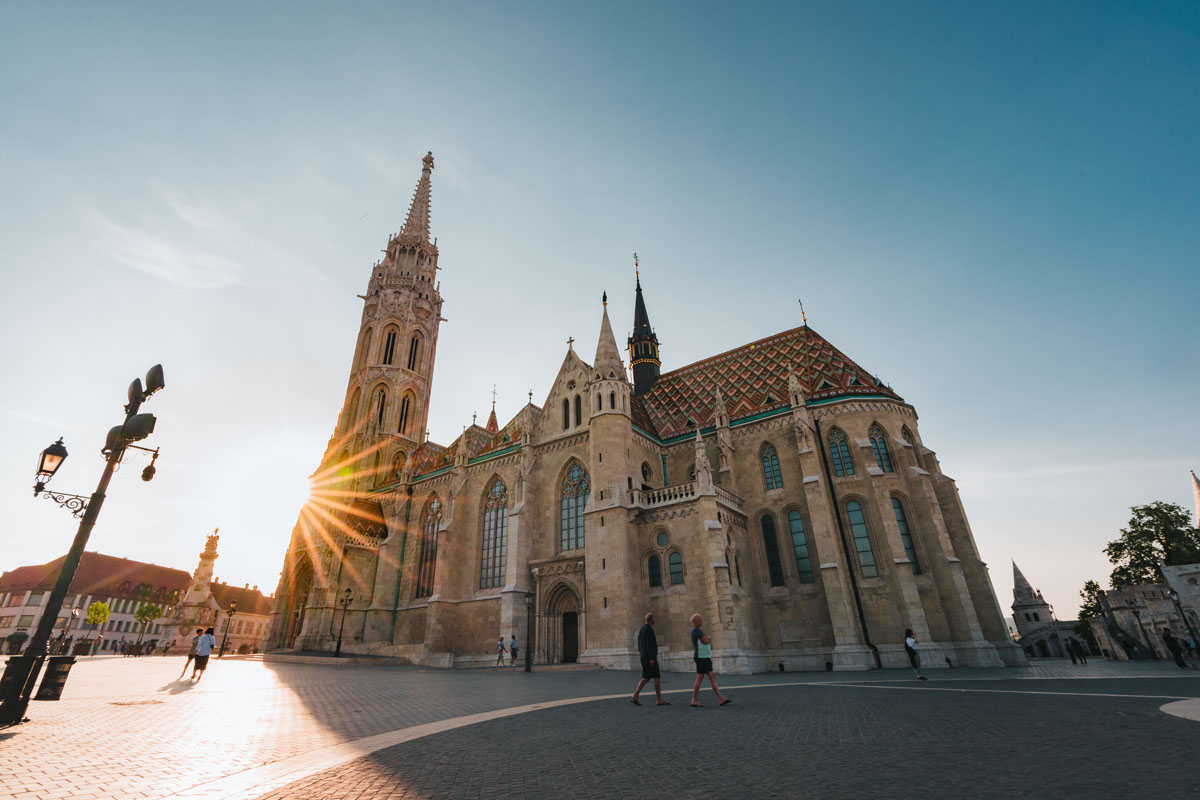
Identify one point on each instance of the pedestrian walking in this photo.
(97, 644)
(1071, 651)
(191, 652)
(702, 655)
(121, 646)
(204, 646)
(1173, 645)
(512, 649)
(648, 650)
(914, 656)
(500, 652)
(1081, 651)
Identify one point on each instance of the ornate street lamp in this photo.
(345, 604)
(228, 625)
(528, 631)
(21, 672)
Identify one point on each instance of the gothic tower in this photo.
(1030, 609)
(643, 345)
(387, 399)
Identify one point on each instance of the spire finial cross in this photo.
(571, 343)
(636, 273)
(803, 316)
(493, 397)
(531, 396)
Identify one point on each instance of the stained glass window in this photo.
(770, 465)
(675, 561)
(427, 560)
(840, 450)
(862, 540)
(771, 547)
(495, 537)
(655, 566)
(883, 459)
(575, 490)
(800, 546)
(906, 535)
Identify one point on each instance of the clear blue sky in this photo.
(996, 208)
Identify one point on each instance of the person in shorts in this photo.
(500, 652)
(191, 652)
(512, 649)
(648, 650)
(702, 654)
(204, 646)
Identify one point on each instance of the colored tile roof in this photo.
(427, 458)
(753, 379)
(364, 516)
(249, 601)
(103, 576)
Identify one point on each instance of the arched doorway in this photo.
(1043, 651)
(301, 585)
(564, 639)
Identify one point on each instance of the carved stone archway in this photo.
(561, 625)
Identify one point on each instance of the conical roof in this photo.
(608, 363)
(641, 319)
(417, 223)
(1022, 590)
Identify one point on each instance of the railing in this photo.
(668, 494)
(729, 498)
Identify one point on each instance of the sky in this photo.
(994, 207)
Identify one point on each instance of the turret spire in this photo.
(643, 343)
(608, 357)
(1196, 496)
(418, 212)
(1022, 590)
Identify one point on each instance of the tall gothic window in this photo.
(427, 561)
(770, 465)
(800, 547)
(883, 458)
(771, 548)
(389, 347)
(381, 399)
(675, 562)
(862, 539)
(495, 537)
(906, 535)
(578, 410)
(612, 399)
(575, 490)
(655, 567)
(414, 352)
(405, 407)
(907, 436)
(840, 450)
(364, 351)
(566, 413)
(350, 415)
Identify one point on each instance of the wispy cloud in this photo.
(173, 261)
(190, 211)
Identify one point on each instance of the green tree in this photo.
(145, 615)
(1089, 609)
(1157, 532)
(97, 614)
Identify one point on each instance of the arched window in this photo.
(431, 520)
(737, 567)
(906, 535)
(350, 415)
(907, 436)
(771, 547)
(364, 349)
(578, 410)
(414, 352)
(883, 459)
(612, 400)
(495, 537)
(398, 462)
(862, 539)
(599, 403)
(800, 547)
(405, 408)
(566, 414)
(575, 489)
(389, 347)
(381, 401)
(675, 562)
(840, 450)
(655, 567)
(770, 465)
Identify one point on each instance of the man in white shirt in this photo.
(204, 646)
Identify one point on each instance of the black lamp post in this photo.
(21, 672)
(1137, 614)
(1187, 623)
(345, 604)
(528, 632)
(228, 625)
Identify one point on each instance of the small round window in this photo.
(662, 539)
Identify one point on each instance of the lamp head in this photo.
(528, 599)
(50, 460)
(154, 380)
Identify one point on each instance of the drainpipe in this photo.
(837, 514)
(400, 569)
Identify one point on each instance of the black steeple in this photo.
(643, 344)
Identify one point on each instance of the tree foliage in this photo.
(1091, 606)
(97, 613)
(147, 614)
(1157, 532)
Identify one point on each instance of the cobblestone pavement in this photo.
(126, 728)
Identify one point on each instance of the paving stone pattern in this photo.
(128, 728)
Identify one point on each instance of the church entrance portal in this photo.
(570, 637)
(300, 588)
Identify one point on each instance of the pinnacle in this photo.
(418, 211)
(608, 357)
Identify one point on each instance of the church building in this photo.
(778, 489)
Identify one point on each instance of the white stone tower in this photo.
(387, 398)
(1030, 609)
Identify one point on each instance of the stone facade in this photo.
(777, 489)
(1041, 634)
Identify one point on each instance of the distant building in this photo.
(1041, 635)
(124, 584)
(207, 604)
(1134, 619)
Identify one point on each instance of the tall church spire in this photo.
(418, 212)
(1021, 587)
(608, 358)
(643, 343)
